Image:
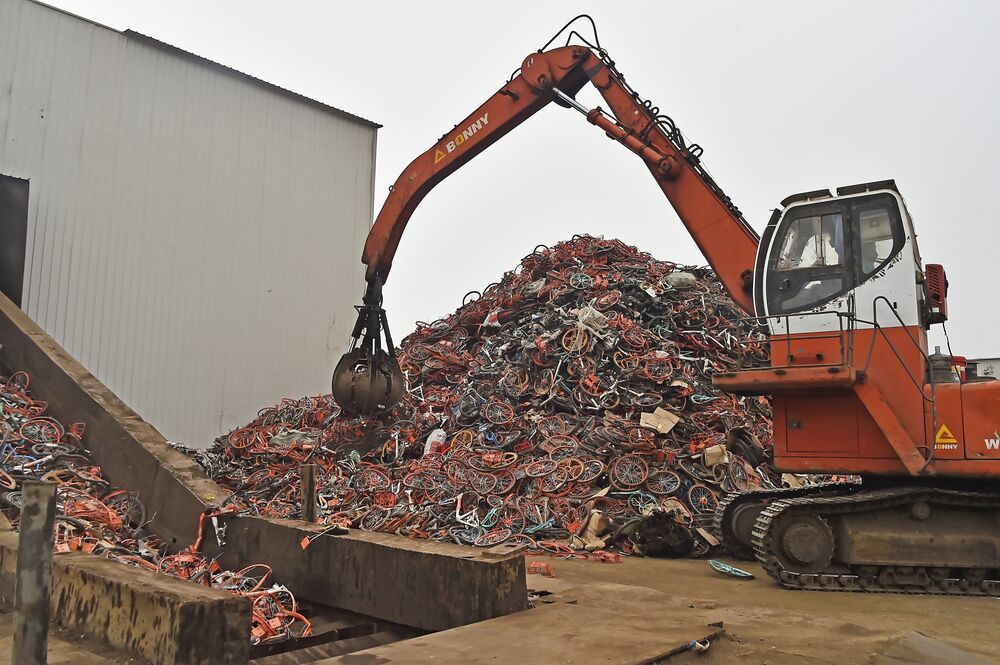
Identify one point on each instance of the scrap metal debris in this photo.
(731, 571)
(94, 516)
(579, 382)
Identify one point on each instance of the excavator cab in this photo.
(841, 290)
(839, 285)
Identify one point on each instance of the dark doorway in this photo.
(13, 235)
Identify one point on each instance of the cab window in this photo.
(880, 234)
(813, 242)
(823, 250)
(811, 265)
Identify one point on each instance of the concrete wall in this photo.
(164, 620)
(194, 234)
(418, 583)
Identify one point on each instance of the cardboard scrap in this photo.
(661, 420)
(707, 535)
(714, 455)
(791, 480)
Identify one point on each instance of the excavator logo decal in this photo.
(994, 443)
(459, 139)
(944, 439)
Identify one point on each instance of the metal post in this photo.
(307, 473)
(33, 587)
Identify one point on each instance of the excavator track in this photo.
(724, 513)
(840, 576)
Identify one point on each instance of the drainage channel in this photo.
(335, 632)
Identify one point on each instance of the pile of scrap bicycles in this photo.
(579, 384)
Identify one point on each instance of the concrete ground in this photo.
(768, 624)
(765, 624)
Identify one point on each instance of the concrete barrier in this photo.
(418, 583)
(162, 619)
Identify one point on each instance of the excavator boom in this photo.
(724, 237)
(367, 380)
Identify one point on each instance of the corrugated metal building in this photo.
(191, 234)
(987, 366)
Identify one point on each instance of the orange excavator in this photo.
(837, 282)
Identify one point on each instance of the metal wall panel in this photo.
(13, 235)
(988, 366)
(193, 235)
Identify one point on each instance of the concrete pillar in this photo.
(307, 475)
(33, 588)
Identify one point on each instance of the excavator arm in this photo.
(724, 237)
(519, 99)
(367, 380)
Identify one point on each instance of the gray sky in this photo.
(784, 97)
